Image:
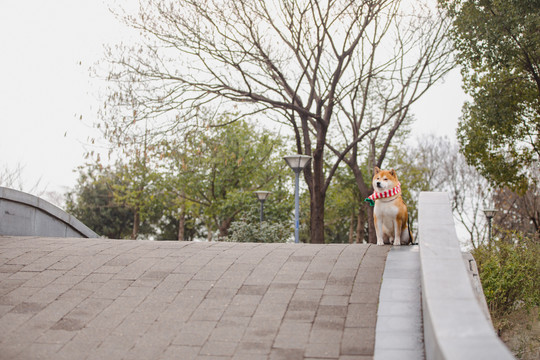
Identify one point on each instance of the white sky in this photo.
(45, 86)
(47, 48)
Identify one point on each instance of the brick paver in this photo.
(114, 299)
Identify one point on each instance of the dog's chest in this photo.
(386, 209)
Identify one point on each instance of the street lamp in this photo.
(490, 213)
(262, 195)
(297, 163)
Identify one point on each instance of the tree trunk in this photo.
(317, 218)
(360, 226)
(210, 234)
(182, 222)
(136, 224)
(365, 191)
(181, 227)
(224, 228)
(318, 195)
(351, 229)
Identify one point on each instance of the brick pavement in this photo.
(114, 299)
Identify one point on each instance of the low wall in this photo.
(22, 214)
(454, 325)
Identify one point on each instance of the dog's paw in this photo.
(380, 243)
(397, 242)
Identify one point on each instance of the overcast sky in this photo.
(45, 86)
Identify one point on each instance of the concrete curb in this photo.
(454, 325)
(22, 214)
(399, 334)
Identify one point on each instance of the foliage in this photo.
(509, 271)
(168, 227)
(342, 205)
(499, 51)
(252, 230)
(191, 186)
(93, 202)
(212, 174)
(137, 189)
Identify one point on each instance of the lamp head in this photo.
(262, 195)
(490, 213)
(297, 162)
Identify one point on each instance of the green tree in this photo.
(212, 174)
(498, 42)
(138, 188)
(132, 142)
(93, 202)
(169, 227)
(345, 220)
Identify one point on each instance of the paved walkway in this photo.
(112, 299)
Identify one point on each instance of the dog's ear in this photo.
(376, 170)
(393, 173)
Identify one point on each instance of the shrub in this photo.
(510, 273)
(244, 231)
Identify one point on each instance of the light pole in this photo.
(262, 195)
(490, 213)
(297, 163)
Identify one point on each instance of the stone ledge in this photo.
(23, 214)
(454, 325)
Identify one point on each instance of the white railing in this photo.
(455, 328)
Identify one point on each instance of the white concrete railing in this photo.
(455, 328)
(22, 214)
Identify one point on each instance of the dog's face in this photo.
(384, 179)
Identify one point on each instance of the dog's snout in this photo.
(378, 184)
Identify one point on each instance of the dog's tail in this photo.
(409, 230)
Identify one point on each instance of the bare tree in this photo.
(13, 178)
(439, 166)
(341, 70)
(386, 84)
(519, 212)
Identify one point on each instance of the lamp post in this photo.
(262, 195)
(297, 163)
(490, 213)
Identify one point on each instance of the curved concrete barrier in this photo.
(454, 325)
(22, 214)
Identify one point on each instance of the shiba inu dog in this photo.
(390, 213)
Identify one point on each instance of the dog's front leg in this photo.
(378, 231)
(397, 232)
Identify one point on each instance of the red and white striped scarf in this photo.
(387, 193)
